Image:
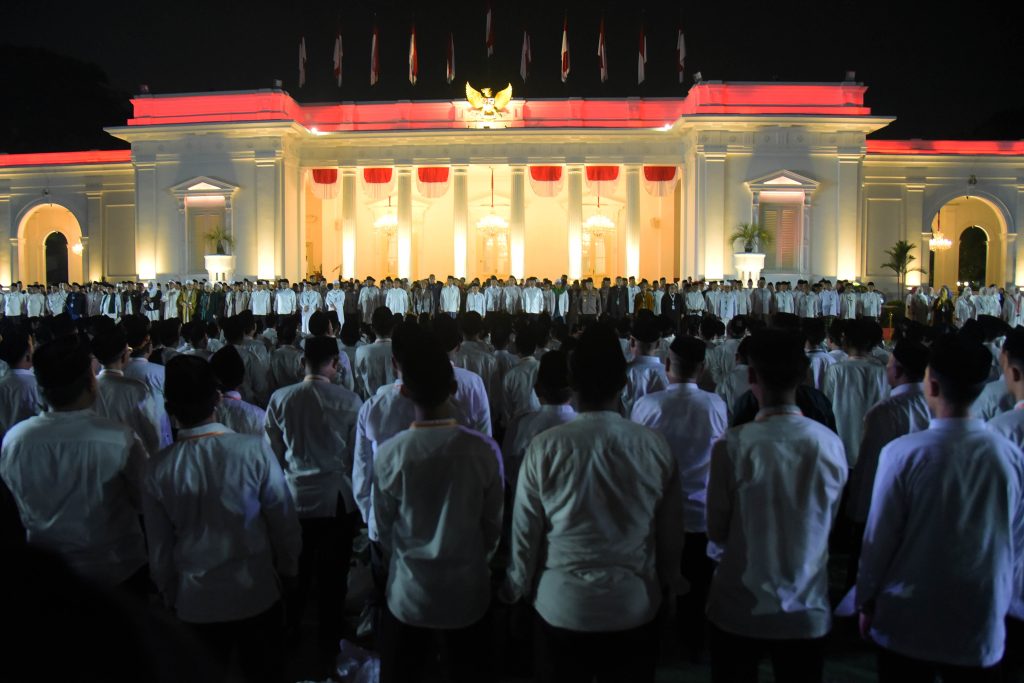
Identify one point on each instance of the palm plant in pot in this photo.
(753, 235)
(221, 239)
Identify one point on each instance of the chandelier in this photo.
(492, 223)
(939, 242)
(387, 221)
(598, 223)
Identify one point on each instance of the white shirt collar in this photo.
(211, 429)
(912, 388)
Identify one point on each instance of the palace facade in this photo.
(645, 187)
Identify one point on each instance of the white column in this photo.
(267, 242)
(6, 265)
(633, 220)
(575, 220)
(848, 194)
(405, 221)
(85, 259)
(348, 223)
(517, 224)
(711, 194)
(94, 231)
(460, 220)
(14, 259)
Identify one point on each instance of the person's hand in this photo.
(864, 620)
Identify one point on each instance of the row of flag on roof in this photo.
(525, 61)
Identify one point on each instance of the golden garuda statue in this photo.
(485, 103)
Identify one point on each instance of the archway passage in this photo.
(35, 231)
(973, 256)
(56, 246)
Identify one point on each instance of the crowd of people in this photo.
(599, 458)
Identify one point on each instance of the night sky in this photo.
(943, 74)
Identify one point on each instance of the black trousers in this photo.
(257, 639)
(735, 659)
(697, 569)
(405, 651)
(325, 557)
(563, 656)
(895, 668)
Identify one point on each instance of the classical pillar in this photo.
(14, 259)
(6, 267)
(348, 223)
(575, 220)
(94, 232)
(460, 220)
(405, 221)
(633, 220)
(848, 258)
(517, 224)
(710, 192)
(267, 261)
(85, 259)
(1010, 276)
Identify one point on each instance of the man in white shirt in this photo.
(310, 302)
(171, 300)
(222, 530)
(848, 303)
(939, 566)
(256, 387)
(475, 301)
(533, 298)
(285, 301)
(645, 373)
(770, 590)
(35, 302)
(374, 368)
(19, 393)
(820, 360)
(110, 304)
(695, 304)
(14, 303)
(321, 325)
(471, 392)
(57, 299)
(553, 392)
(397, 299)
(828, 301)
(476, 356)
(784, 302)
(691, 420)
(437, 542)
(810, 303)
(123, 399)
(451, 298)
(334, 300)
(596, 529)
(311, 429)
(493, 296)
(259, 304)
(855, 384)
(286, 360)
(369, 299)
(233, 411)
(512, 297)
(726, 306)
(871, 303)
(517, 383)
(76, 477)
(761, 301)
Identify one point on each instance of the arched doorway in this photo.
(56, 247)
(35, 230)
(976, 229)
(973, 256)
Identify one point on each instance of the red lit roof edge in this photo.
(110, 156)
(951, 147)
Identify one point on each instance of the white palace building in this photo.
(645, 187)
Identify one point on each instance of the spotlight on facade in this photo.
(77, 248)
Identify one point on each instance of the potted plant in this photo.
(221, 239)
(753, 236)
(899, 262)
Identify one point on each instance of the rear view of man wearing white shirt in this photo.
(19, 393)
(373, 361)
(770, 591)
(437, 540)
(221, 528)
(596, 529)
(645, 374)
(76, 477)
(311, 428)
(691, 420)
(939, 566)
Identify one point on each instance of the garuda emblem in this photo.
(486, 104)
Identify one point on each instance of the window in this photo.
(783, 220)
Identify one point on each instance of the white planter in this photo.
(748, 265)
(219, 267)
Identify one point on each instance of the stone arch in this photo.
(34, 225)
(954, 218)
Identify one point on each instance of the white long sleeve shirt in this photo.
(848, 305)
(784, 302)
(533, 300)
(773, 494)
(475, 301)
(904, 412)
(471, 394)
(221, 525)
(438, 540)
(130, 403)
(940, 560)
(286, 367)
(761, 301)
(373, 365)
(820, 361)
(19, 398)
(397, 301)
(476, 357)
(76, 478)
(14, 303)
(517, 395)
(35, 305)
(644, 375)
(284, 301)
(597, 524)
(310, 301)
(512, 299)
(451, 299)
(691, 420)
(311, 428)
(493, 298)
(853, 386)
(521, 431)
(240, 416)
(259, 302)
(995, 399)
(871, 304)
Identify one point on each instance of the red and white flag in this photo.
(414, 58)
(527, 57)
(680, 52)
(338, 54)
(375, 56)
(602, 53)
(565, 48)
(489, 37)
(302, 61)
(449, 67)
(641, 57)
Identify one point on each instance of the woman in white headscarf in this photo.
(965, 307)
